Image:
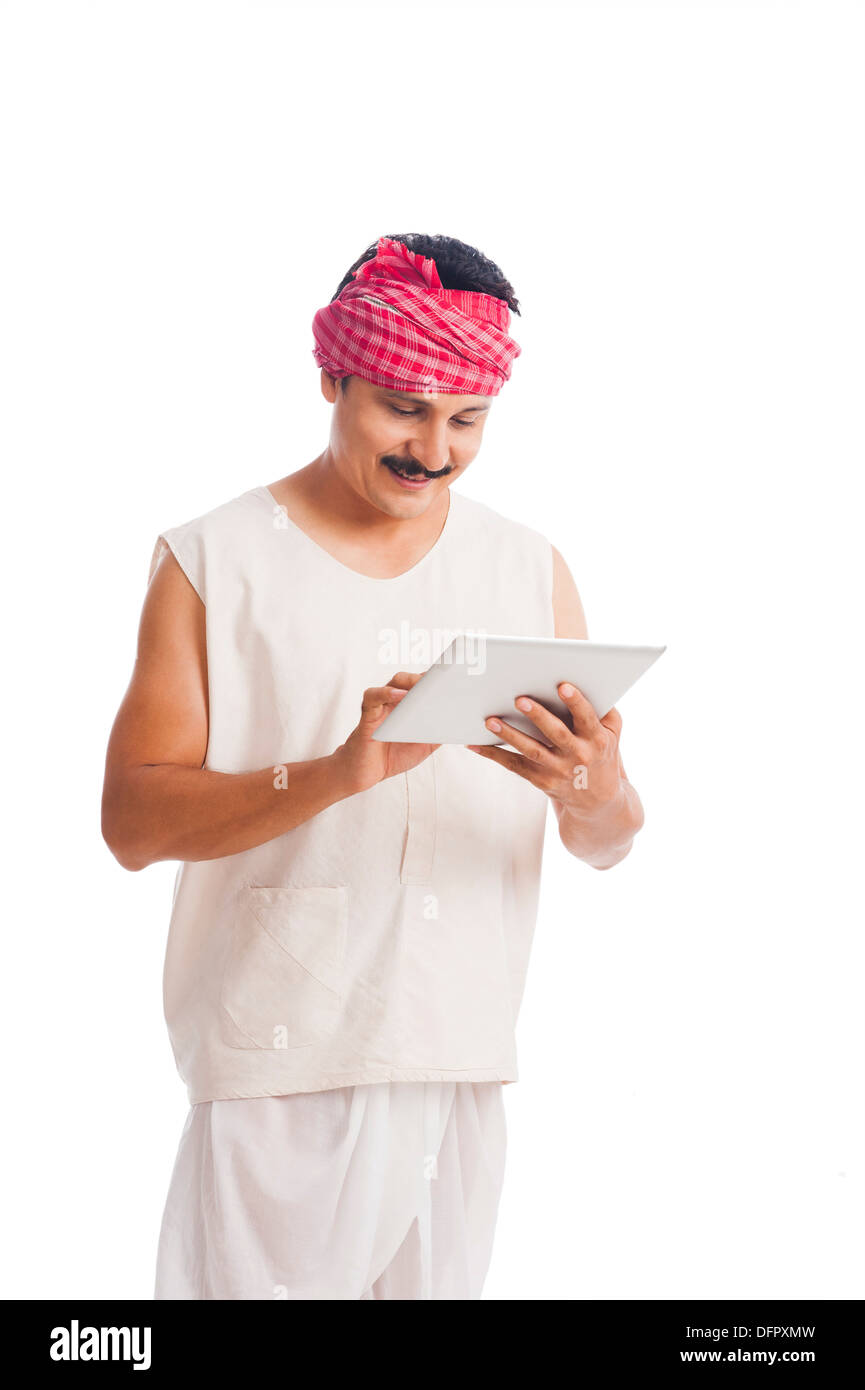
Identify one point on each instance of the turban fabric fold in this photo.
(395, 325)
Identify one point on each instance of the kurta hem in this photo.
(329, 1081)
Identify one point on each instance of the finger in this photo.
(404, 680)
(530, 747)
(612, 720)
(381, 695)
(549, 724)
(523, 767)
(377, 700)
(582, 711)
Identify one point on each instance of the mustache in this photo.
(414, 469)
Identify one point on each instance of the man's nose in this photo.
(429, 445)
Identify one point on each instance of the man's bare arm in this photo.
(159, 802)
(601, 842)
(568, 615)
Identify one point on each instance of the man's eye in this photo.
(409, 414)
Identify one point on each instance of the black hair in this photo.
(460, 267)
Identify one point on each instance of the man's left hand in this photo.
(599, 811)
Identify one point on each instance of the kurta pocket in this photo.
(282, 981)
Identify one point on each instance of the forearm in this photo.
(167, 811)
(604, 836)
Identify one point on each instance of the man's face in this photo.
(378, 433)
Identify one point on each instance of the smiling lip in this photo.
(413, 484)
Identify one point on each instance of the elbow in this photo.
(624, 850)
(129, 861)
(127, 855)
(126, 847)
(605, 864)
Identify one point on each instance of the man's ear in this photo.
(328, 386)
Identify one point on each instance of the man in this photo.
(352, 919)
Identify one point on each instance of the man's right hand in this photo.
(160, 801)
(366, 761)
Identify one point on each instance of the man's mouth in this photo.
(407, 478)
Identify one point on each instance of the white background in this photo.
(676, 192)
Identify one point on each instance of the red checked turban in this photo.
(395, 325)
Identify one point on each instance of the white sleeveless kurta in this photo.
(341, 1002)
(388, 937)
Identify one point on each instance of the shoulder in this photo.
(211, 533)
(480, 519)
(483, 519)
(567, 604)
(227, 516)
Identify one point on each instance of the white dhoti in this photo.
(388, 1191)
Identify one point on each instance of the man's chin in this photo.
(403, 503)
(405, 506)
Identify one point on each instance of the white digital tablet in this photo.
(481, 674)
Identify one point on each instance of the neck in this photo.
(321, 491)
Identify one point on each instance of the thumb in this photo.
(376, 703)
